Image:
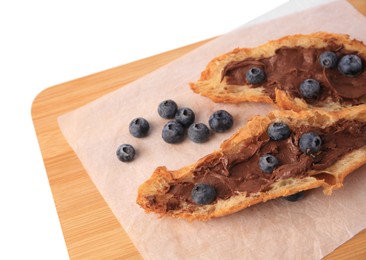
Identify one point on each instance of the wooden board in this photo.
(90, 229)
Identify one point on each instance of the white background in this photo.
(44, 43)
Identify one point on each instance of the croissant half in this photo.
(286, 62)
(234, 172)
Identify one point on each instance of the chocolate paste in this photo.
(241, 173)
(289, 67)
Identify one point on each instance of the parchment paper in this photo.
(310, 228)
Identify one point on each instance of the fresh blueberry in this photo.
(221, 121)
(267, 163)
(310, 88)
(125, 152)
(203, 194)
(198, 133)
(278, 131)
(173, 132)
(139, 127)
(255, 75)
(328, 59)
(310, 142)
(295, 197)
(167, 109)
(350, 65)
(185, 116)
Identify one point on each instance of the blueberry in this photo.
(185, 116)
(267, 163)
(139, 127)
(310, 88)
(173, 132)
(278, 131)
(328, 59)
(203, 194)
(350, 65)
(221, 121)
(255, 75)
(125, 152)
(310, 143)
(295, 197)
(167, 109)
(198, 133)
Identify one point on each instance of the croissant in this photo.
(274, 72)
(233, 177)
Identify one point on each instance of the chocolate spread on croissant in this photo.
(290, 66)
(240, 172)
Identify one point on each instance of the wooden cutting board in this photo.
(90, 229)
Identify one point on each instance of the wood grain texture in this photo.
(89, 227)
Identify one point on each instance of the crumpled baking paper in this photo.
(310, 228)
